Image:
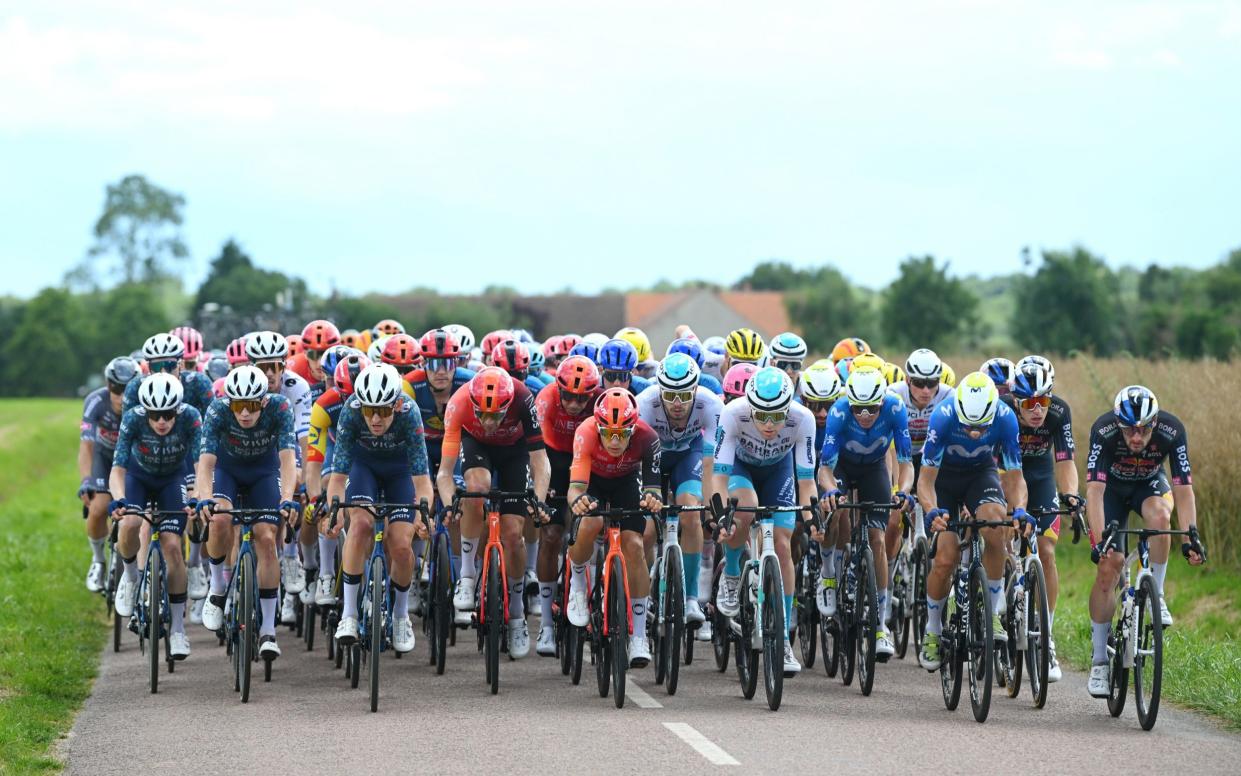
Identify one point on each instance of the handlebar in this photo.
(726, 518)
(379, 509)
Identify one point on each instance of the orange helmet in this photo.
(849, 347)
(320, 335)
(578, 375)
(616, 410)
(440, 343)
(388, 326)
(511, 356)
(491, 390)
(352, 338)
(566, 343)
(295, 344)
(400, 350)
(493, 338)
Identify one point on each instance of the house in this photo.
(707, 312)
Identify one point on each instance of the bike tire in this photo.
(950, 652)
(807, 614)
(114, 579)
(829, 642)
(899, 596)
(246, 636)
(494, 626)
(674, 619)
(574, 644)
(747, 655)
(355, 665)
(1008, 656)
(774, 633)
(377, 627)
(311, 625)
(440, 602)
(981, 644)
(154, 607)
(599, 653)
(1118, 686)
(560, 618)
(920, 563)
(867, 618)
(1038, 626)
(618, 616)
(846, 614)
(659, 599)
(721, 641)
(1148, 655)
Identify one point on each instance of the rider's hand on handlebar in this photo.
(1023, 521)
(831, 499)
(907, 501)
(650, 502)
(937, 519)
(584, 504)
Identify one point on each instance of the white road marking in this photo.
(703, 745)
(639, 695)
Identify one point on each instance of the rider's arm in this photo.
(116, 483)
(1182, 481)
(204, 479)
(336, 486)
(1066, 477)
(1094, 508)
(86, 452)
(451, 446)
(904, 476)
(288, 474)
(926, 487)
(1098, 463)
(540, 472)
(314, 479)
(1014, 483)
(725, 453)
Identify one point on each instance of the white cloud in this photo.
(1167, 58)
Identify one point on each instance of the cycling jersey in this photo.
(520, 422)
(428, 407)
(101, 425)
(700, 426)
(844, 437)
(557, 424)
(740, 441)
(139, 448)
(919, 419)
(711, 384)
(1110, 459)
(295, 388)
(402, 442)
(323, 418)
(300, 366)
(590, 458)
(533, 383)
(198, 392)
(1051, 442)
(948, 445)
(260, 444)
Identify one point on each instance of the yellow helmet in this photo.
(744, 345)
(948, 377)
(893, 373)
(867, 360)
(636, 337)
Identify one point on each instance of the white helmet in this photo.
(162, 345)
(866, 387)
(266, 346)
(787, 347)
(678, 372)
(378, 385)
(820, 382)
(1041, 361)
(769, 390)
(375, 351)
(245, 383)
(976, 399)
(463, 335)
(596, 338)
(924, 364)
(160, 391)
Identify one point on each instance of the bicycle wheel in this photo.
(1148, 656)
(311, 625)
(900, 598)
(1008, 656)
(674, 618)
(747, 655)
(721, 630)
(377, 625)
(1037, 633)
(979, 644)
(1118, 686)
(866, 611)
(574, 644)
(354, 669)
(494, 619)
(618, 624)
(599, 653)
(951, 657)
(154, 606)
(659, 604)
(114, 579)
(807, 628)
(440, 602)
(919, 563)
(829, 636)
(774, 633)
(247, 629)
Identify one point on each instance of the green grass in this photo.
(51, 629)
(1202, 656)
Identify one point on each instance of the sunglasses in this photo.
(116, 387)
(866, 410)
(441, 364)
(610, 434)
(677, 397)
(314, 355)
(161, 414)
(162, 365)
(383, 412)
(1042, 402)
(922, 382)
(787, 366)
(818, 406)
(573, 398)
(772, 418)
(611, 376)
(404, 369)
(246, 405)
(490, 417)
(270, 367)
(1135, 430)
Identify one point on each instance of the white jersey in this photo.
(295, 388)
(703, 420)
(740, 440)
(919, 419)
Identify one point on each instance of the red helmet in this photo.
(236, 352)
(295, 344)
(352, 338)
(400, 350)
(494, 338)
(616, 409)
(347, 370)
(578, 375)
(566, 343)
(511, 356)
(388, 326)
(550, 345)
(491, 390)
(192, 339)
(320, 335)
(440, 343)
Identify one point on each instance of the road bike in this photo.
(667, 611)
(153, 612)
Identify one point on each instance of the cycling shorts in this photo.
(969, 488)
(684, 469)
(100, 469)
(558, 489)
(1120, 498)
(508, 465)
(167, 492)
(871, 483)
(1042, 495)
(772, 483)
(260, 487)
(619, 493)
(387, 481)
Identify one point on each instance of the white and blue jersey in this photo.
(682, 449)
(949, 445)
(766, 466)
(845, 438)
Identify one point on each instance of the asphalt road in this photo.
(308, 720)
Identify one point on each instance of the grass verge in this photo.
(51, 629)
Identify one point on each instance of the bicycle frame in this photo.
(492, 517)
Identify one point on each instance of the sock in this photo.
(310, 557)
(350, 583)
(176, 602)
(131, 570)
(707, 570)
(196, 553)
(218, 584)
(516, 601)
(468, 551)
(327, 557)
(788, 613)
(1098, 638)
(290, 549)
(838, 557)
(456, 564)
(267, 602)
(546, 589)
(996, 588)
(732, 561)
(934, 614)
(1051, 621)
(882, 602)
(578, 580)
(228, 575)
(693, 560)
(532, 554)
(827, 564)
(400, 601)
(1160, 572)
(96, 548)
(637, 607)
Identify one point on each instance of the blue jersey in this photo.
(198, 392)
(224, 437)
(545, 378)
(844, 436)
(432, 420)
(404, 439)
(711, 384)
(139, 448)
(534, 384)
(948, 443)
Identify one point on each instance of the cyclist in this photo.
(921, 391)
(964, 439)
(618, 359)
(162, 353)
(713, 357)
(101, 426)
(465, 341)
(820, 388)
(766, 443)
(492, 423)
(561, 407)
(736, 380)
(386, 328)
(1045, 426)
(491, 339)
(1124, 473)
(537, 362)
(615, 462)
(294, 341)
(514, 357)
(642, 345)
(193, 342)
(743, 346)
(848, 349)
(685, 416)
(155, 451)
(1001, 371)
(690, 347)
(860, 428)
(248, 448)
(787, 352)
(317, 338)
(379, 456)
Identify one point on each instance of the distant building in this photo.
(707, 312)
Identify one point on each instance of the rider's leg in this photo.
(398, 540)
(638, 577)
(511, 536)
(265, 550)
(477, 480)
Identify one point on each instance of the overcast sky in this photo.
(539, 145)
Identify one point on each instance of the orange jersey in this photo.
(559, 426)
(590, 457)
(520, 421)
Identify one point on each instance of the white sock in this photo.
(268, 605)
(883, 603)
(350, 605)
(996, 588)
(131, 569)
(327, 557)
(218, 584)
(637, 607)
(469, 549)
(827, 564)
(310, 557)
(196, 550)
(706, 570)
(532, 554)
(934, 614)
(96, 548)
(546, 589)
(400, 602)
(1160, 572)
(516, 601)
(578, 580)
(290, 549)
(1098, 638)
(1051, 622)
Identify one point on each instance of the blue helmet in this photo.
(689, 347)
(770, 390)
(617, 355)
(1000, 370)
(714, 344)
(1136, 405)
(1032, 381)
(537, 359)
(678, 372)
(334, 355)
(586, 349)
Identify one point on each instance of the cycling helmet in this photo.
(689, 347)
(1136, 405)
(770, 390)
(352, 338)
(849, 347)
(162, 391)
(217, 367)
(843, 367)
(378, 385)
(678, 372)
(948, 377)
(491, 390)
(537, 361)
(577, 375)
(1031, 381)
(738, 378)
(266, 346)
(893, 373)
(388, 326)
(866, 387)
(616, 410)
(162, 346)
(866, 361)
(787, 347)
(121, 370)
(566, 343)
(493, 338)
(924, 364)
(715, 345)
(463, 335)
(1000, 370)
(636, 337)
(332, 357)
(440, 343)
(192, 340)
(523, 336)
(549, 346)
(320, 335)
(294, 343)
(245, 382)
(584, 348)
(511, 356)
(400, 350)
(618, 355)
(744, 345)
(819, 382)
(1041, 361)
(347, 372)
(596, 338)
(976, 399)
(376, 350)
(236, 352)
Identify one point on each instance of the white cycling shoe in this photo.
(323, 592)
(178, 645)
(463, 601)
(1100, 680)
(791, 666)
(196, 587)
(518, 639)
(639, 652)
(268, 648)
(213, 612)
(884, 648)
(402, 635)
(347, 631)
(547, 642)
(728, 600)
(94, 577)
(196, 611)
(826, 599)
(126, 592)
(288, 612)
(579, 610)
(1164, 614)
(1053, 667)
(693, 612)
(704, 631)
(292, 575)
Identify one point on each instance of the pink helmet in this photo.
(192, 339)
(737, 378)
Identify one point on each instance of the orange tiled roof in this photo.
(640, 308)
(765, 309)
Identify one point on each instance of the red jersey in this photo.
(520, 421)
(558, 425)
(590, 457)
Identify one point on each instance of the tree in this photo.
(235, 282)
(1069, 303)
(52, 325)
(131, 312)
(828, 310)
(925, 308)
(140, 227)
